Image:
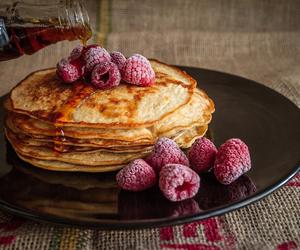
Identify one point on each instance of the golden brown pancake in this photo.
(76, 127)
(197, 111)
(41, 95)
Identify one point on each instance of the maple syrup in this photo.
(58, 140)
(28, 40)
(27, 28)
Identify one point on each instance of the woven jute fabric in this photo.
(256, 39)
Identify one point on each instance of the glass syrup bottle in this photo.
(26, 28)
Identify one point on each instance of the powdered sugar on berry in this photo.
(106, 75)
(94, 55)
(232, 161)
(76, 52)
(137, 70)
(166, 151)
(136, 176)
(178, 182)
(118, 58)
(202, 155)
(67, 71)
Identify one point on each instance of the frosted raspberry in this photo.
(166, 151)
(79, 64)
(118, 58)
(232, 161)
(137, 70)
(202, 155)
(136, 176)
(101, 68)
(178, 182)
(106, 75)
(76, 52)
(67, 71)
(93, 55)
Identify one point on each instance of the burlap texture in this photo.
(255, 39)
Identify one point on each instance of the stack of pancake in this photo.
(75, 127)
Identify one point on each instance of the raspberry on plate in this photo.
(232, 161)
(76, 52)
(202, 155)
(178, 182)
(136, 176)
(94, 54)
(137, 70)
(118, 58)
(166, 151)
(69, 71)
(106, 75)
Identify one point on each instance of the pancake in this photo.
(77, 128)
(63, 166)
(34, 126)
(41, 95)
(74, 147)
(183, 138)
(80, 162)
(186, 139)
(62, 148)
(90, 158)
(197, 111)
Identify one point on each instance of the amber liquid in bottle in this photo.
(28, 40)
(27, 27)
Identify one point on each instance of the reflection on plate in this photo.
(84, 196)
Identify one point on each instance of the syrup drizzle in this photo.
(80, 93)
(59, 139)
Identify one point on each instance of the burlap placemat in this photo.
(255, 39)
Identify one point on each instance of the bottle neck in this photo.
(75, 16)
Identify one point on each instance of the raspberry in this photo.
(232, 161)
(166, 151)
(93, 55)
(136, 176)
(178, 182)
(101, 69)
(137, 70)
(68, 71)
(106, 75)
(76, 52)
(202, 155)
(79, 64)
(118, 58)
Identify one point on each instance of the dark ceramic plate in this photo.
(268, 122)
